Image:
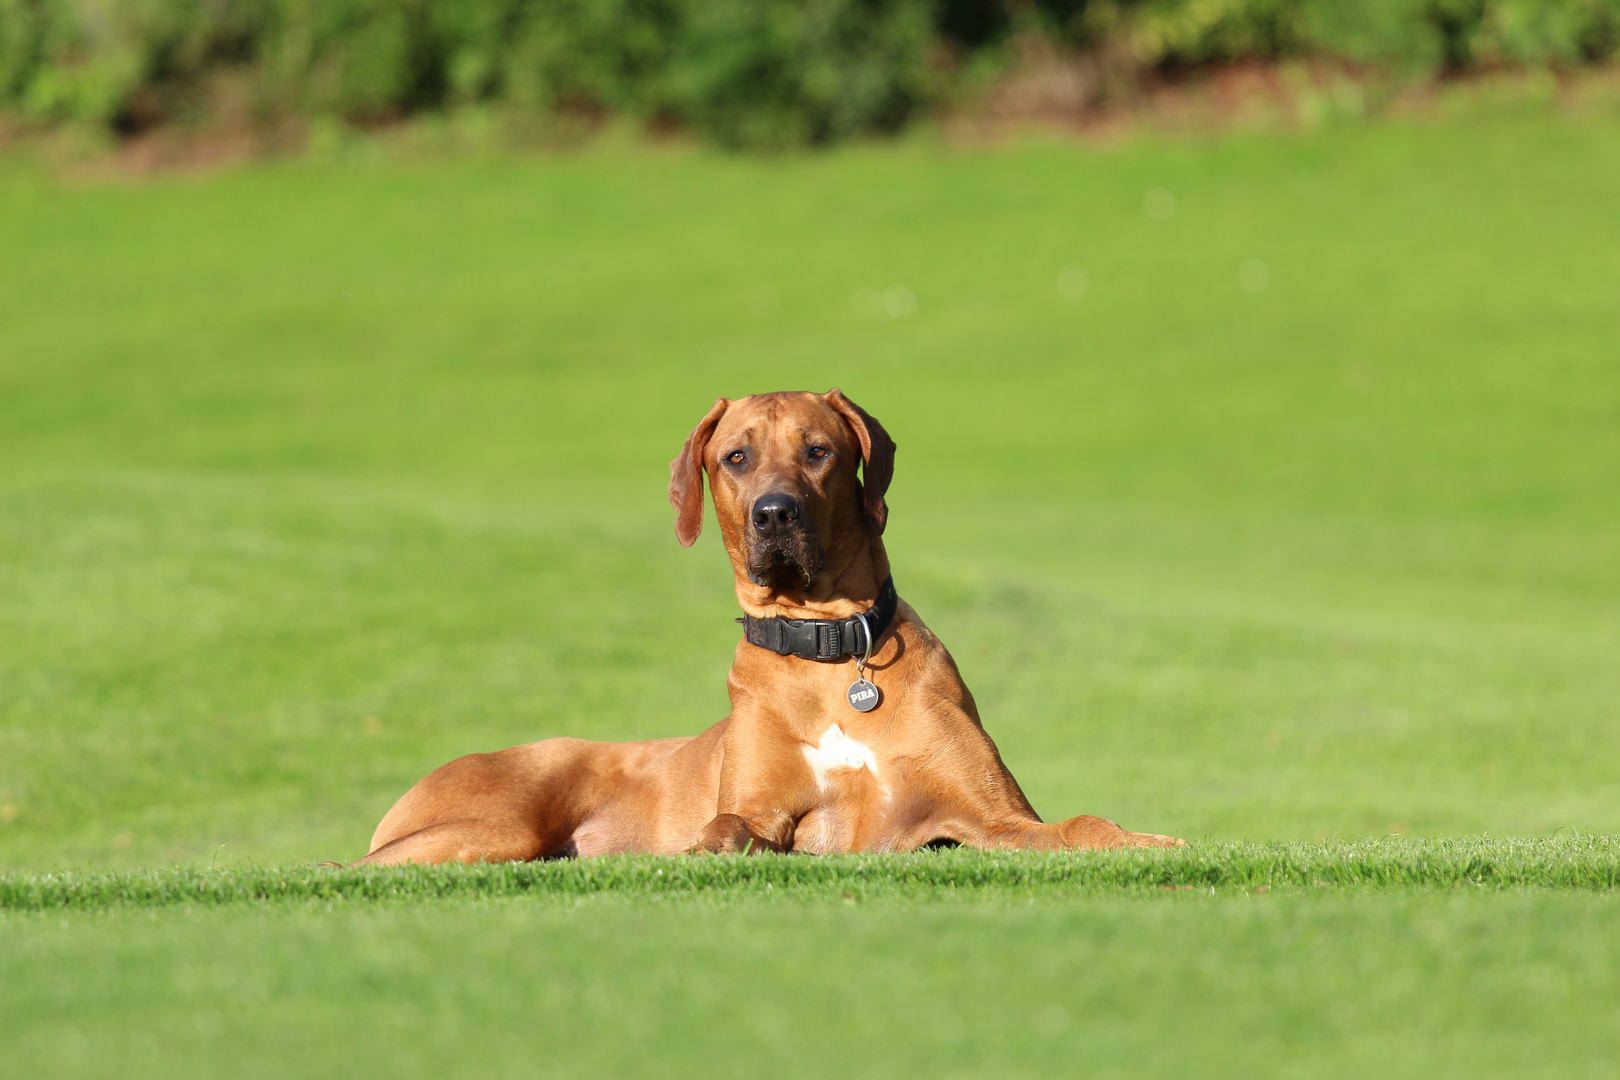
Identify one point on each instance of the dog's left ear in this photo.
(686, 477)
(877, 456)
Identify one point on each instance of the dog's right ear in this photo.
(686, 477)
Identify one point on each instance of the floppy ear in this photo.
(686, 477)
(877, 456)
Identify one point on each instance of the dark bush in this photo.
(763, 72)
(1432, 35)
(742, 72)
(745, 72)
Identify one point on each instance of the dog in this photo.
(850, 727)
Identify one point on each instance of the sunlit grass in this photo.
(313, 478)
(1573, 863)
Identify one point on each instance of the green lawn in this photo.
(1563, 863)
(1419, 985)
(313, 476)
(1402, 958)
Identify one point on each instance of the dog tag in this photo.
(863, 696)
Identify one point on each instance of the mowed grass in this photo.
(1571, 863)
(1407, 958)
(1408, 985)
(313, 477)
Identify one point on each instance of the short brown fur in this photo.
(750, 782)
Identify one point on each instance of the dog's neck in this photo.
(848, 582)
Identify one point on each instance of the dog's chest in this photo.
(855, 787)
(838, 758)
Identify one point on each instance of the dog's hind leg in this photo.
(461, 841)
(522, 803)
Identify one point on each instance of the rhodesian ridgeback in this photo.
(850, 727)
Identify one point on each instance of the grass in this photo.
(315, 476)
(1519, 984)
(1407, 957)
(1434, 958)
(1575, 863)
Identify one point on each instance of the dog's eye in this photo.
(736, 457)
(816, 453)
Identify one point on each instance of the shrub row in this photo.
(738, 71)
(1426, 34)
(1430, 35)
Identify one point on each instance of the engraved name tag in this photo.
(863, 696)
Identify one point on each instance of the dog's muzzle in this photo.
(781, 543)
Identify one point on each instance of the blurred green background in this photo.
(1263, 486)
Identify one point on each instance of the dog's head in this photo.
(783, 471)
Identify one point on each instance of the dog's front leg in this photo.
(733, 834)
(765, 788)
(1083, 833)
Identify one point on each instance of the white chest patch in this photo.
(838, 751)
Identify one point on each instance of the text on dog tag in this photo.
(863, 696)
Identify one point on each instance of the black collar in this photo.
(824, 639)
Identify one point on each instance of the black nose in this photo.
(776, 512)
